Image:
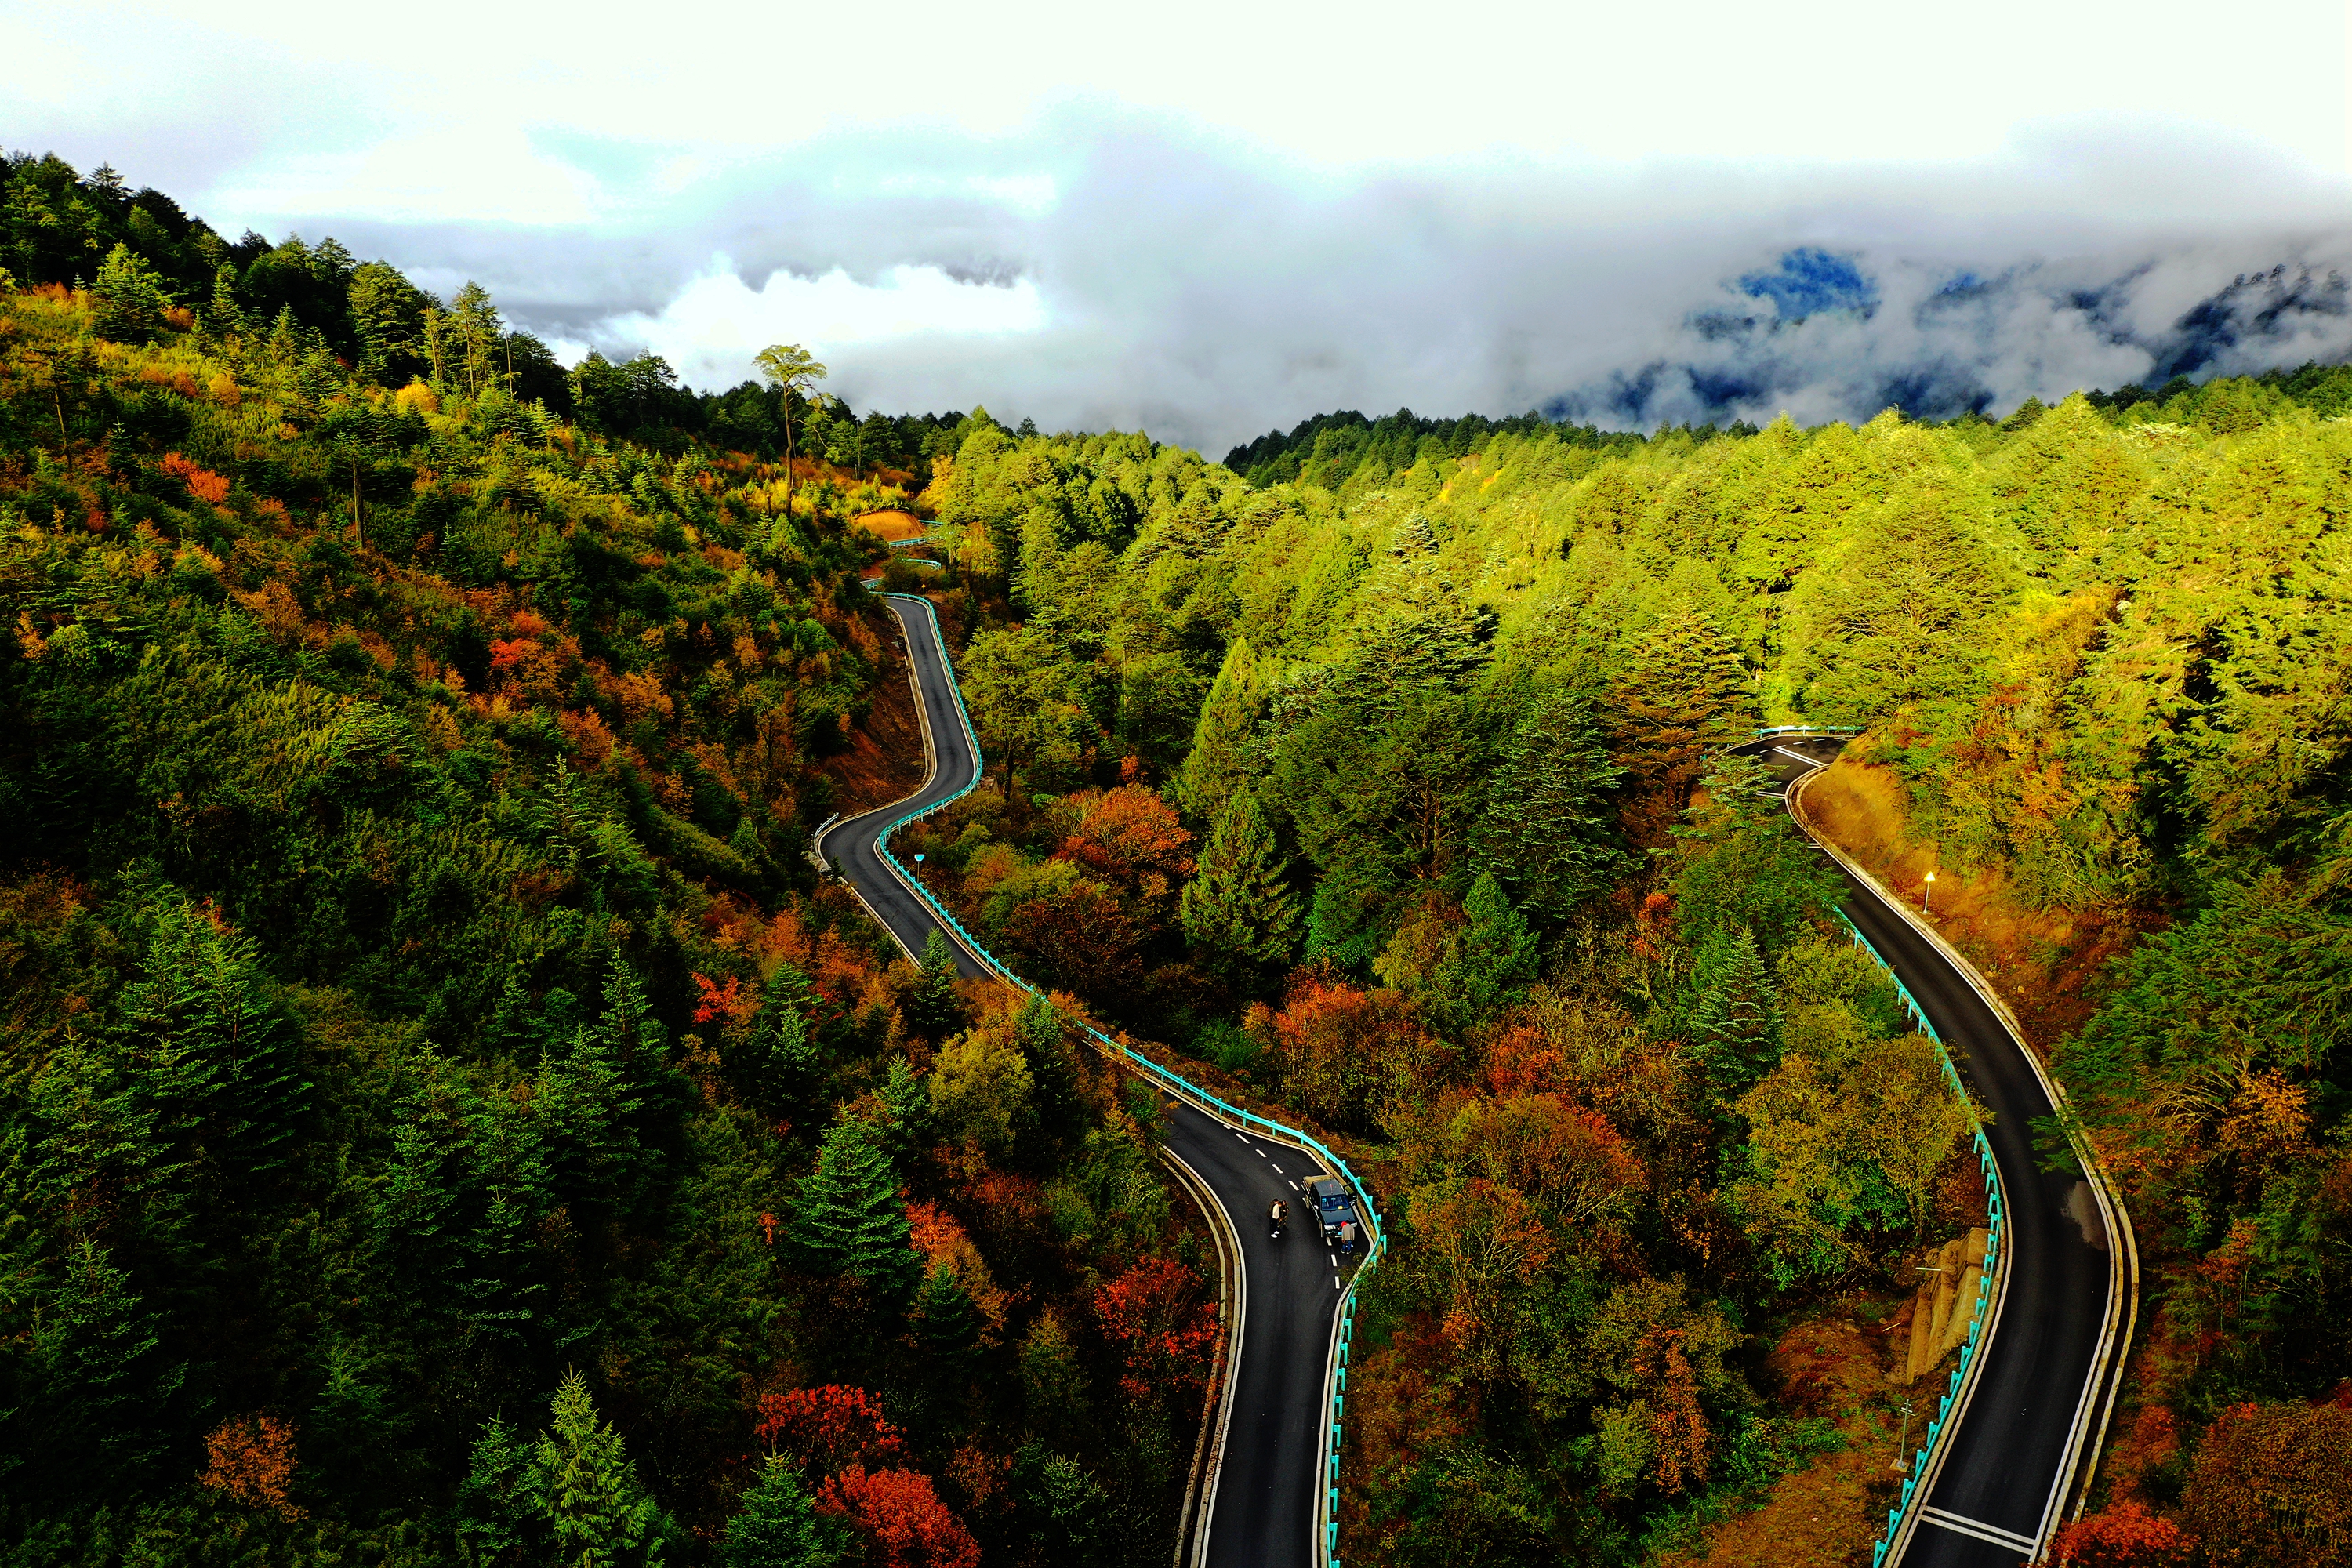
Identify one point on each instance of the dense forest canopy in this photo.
(442, 1117)
(449, 1121)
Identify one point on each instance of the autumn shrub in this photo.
(251, 1459)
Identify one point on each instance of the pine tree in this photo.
(947, 1324)
(777, 1527)
(1682, 694)
(1548, 830)
(202, 1045)
(851, 1221)
(1054, 1080)
(774, 1065)
(909, 1122)
(493, 1513)
(1493, 959)
(1219, 759)
(1237, 909)
(1736, 1027)
(933, 1007)
(584, 1486)
(1413, 627)
(130, 297)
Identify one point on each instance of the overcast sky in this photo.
(1213, 220)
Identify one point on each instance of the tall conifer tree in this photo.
(850, 1219)
(1236, 908)
(1219, 757)
(1683, 693)
(1547, 830)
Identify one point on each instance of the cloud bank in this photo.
(1105, 268)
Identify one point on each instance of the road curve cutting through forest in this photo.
(2021, 1440)
(1259, 1496)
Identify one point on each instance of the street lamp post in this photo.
(1926, 899)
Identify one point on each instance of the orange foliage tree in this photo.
(2273, 1483)
(901, 1517)
(1478, 1238)
(1349, 1056)
(830, 1427)
(1566, 1158)
(251, 1457)
(1130, 835)
(1081, 936)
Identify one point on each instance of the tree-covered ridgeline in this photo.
(443, 1119)
(1457, 872)
(149, 263)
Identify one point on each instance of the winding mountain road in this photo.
(2028, 1432)
(1258, 1506)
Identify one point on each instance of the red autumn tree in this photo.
(830, 1427)
(1566, 1157)
(1132, 835)
(901, 1517)
(251, 1457)
(2270, 1483)
(1153, 1314)
(2125, 1536)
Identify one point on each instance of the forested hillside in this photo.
(1441, 861)
(442, 1118)
(447, 1120)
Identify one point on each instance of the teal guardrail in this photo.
(1375, 1248)
(1939, 1428)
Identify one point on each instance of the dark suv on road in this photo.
(1333, 1204)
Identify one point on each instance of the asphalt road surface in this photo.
(1264, 1492)
(1998, 1494)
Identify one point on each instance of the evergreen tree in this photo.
(1682, 694)
(581, 1481)
(1493, 959)
(948, 1325)
(774, 1065)
(933, 1007)
(1237, 909)
(1547, 830)
(777, 1527)
(909, 1122)
(1220, 757)
(851, 1221)
(1054, 1099)
(494, 1517)
(205, 1047)
(1736, 1027)
(130, 297)
(1413, 627)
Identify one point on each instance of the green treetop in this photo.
(583, 1482)
(1237, 909)
(777, 1526)
(1548, 830)
(851, 1220)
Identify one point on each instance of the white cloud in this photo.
(710, 331)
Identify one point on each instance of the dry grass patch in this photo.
(2041, 961)
(892, 525)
